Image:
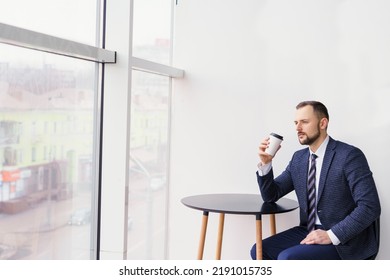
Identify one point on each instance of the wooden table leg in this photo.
(220, 236)
(272, 224)
(205, 219)
(259, 238)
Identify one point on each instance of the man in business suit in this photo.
(346, 200)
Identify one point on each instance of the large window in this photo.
(148, 166)
(149, 130)
(48, 130)
(84, 155)
(47, 135)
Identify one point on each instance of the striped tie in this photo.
(311, 194)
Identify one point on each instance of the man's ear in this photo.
(324, 123)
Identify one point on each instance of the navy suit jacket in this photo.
(347, 203)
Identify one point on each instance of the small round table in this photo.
(241, 204)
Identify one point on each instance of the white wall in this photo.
(248, 63)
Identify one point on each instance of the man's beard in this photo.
(310, 140)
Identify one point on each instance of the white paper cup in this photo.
(274, 143)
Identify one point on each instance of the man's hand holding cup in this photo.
(268, 147)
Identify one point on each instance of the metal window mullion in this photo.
(20, 37)
(156, 68)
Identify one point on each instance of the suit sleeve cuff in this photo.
(333, 237)
(264, 169)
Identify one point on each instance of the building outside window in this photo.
(41, 193)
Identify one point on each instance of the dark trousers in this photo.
(285, 246)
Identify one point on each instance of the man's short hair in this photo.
(318, 107)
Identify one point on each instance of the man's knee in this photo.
(287, 255)
(253, 253)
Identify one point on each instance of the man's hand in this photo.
(318, 236)
(264, 157)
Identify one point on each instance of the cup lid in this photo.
(277, 136)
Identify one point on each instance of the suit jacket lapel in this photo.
(329, 154)
(302, 175)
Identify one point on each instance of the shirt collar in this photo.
(321, 150)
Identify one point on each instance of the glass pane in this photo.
(46, 155)
(148, 166)
(152, 30)
(69, 19)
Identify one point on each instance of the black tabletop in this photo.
(235, 203)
